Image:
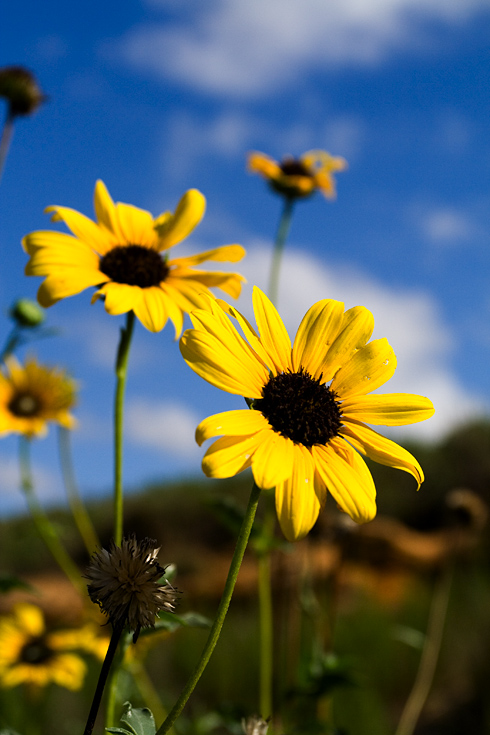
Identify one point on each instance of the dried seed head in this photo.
(19, 87)
(126, 584)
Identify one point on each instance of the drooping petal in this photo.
(68, 282)
(369, 367)
(151, 310)
(382, 450)
(83, 228)
(356, 329)
(272, 461)
(189, 212)
(242, 422)
(119, 298)
(273, 334)
(136, 226)
(317, 331)
(175, 313)
(230, 455)
(347, 478)
(297, 503)
(212, 360)
(228, 253)
(388, 409)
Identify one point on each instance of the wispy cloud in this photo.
(168, 426)
(239, 48)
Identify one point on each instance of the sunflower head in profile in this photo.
(32, 655)
(31, 395)
(125, 256)
(298, 178)
(307, 428)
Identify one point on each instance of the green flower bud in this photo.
(27, 314)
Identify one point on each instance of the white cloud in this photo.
(168, 426)
(249, 47)
(410, 321)
(47, 486)
(447, 225)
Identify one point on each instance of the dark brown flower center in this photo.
(294, 167)
(134, 265)
(36, 651)
(24, 405)
(300, 408)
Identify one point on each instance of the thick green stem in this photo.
(281, 237)
(215, 631)
(8, 130)
(430, 654)
(121, 373)
(43, 525)
(265, 616)
(78, 510)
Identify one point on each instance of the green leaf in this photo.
(140, 721)
(171, 622)
(8, 583)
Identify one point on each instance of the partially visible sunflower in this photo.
(29, 654)
(309, 406)
(123, 256)
(298, 178)
(33, 394)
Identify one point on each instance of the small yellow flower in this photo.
(309, 404)
(31, 655)
(33, 394)
(122, 255)
(298, 178)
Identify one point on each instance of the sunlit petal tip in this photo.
(55, 216)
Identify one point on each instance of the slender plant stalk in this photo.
(121, 373)
(8, 130)
(44, 527)
(215, 631)
(265, 618)
(281, 237)
(104, 673)
(430, 654)
(77, 507)
(11, 343)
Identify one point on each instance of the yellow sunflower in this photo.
(122, 254)
(309, 404)
(29, 654)
(33, 394)
(298, 178)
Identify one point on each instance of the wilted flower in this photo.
(33, 394)
(298, 178)
(126, 582)
(19, 87)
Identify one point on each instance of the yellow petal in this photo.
(370, 367)
(136, 226)
(105, 210)
(175, 313)
(272, 461)
(225, 253)
(230, 455)
(317, 331)
(189, 212)
(30, 618)
(388, 409)
(297, 503)
(50, 249)
(273, 334)
(261, 164)
(242, 422)
(151, 310)
(230, 283)
(347, 478)
(382, 450)
(357, 327)
(69, 282)
(119, 297)
(248, 331)
(213, 362)
(83, 228)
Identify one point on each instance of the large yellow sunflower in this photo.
(122, 254)
(29, 654)
(298, 178)
(33, 394)
(309, 406)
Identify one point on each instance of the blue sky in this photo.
(160, 96)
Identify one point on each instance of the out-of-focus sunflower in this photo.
(298, 178)
(32, 655)
(31, 395)
(124, 256)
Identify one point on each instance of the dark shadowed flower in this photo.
(126, 582)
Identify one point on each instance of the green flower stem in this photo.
(265, 617)
(215, 631)
(121, 372)
(281, 237)
(11, 343)
(8, 130)
(430, 654)
(79, 512)
(43, 525)
(104, 673)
